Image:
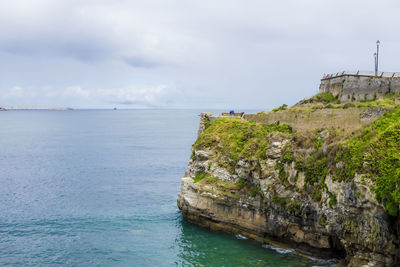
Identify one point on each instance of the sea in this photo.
(99, 188)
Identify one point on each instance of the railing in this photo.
(363, 73)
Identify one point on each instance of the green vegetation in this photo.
(387, 102)
(282, 174)
(199, 176)
(294, 206)
(315, 164)
(315, 168)
(211, 179)
(322, 220)
(193, 155)
(287, 156)
(351, 227)
(241, 183)
(279, 200)
(206, 122)
(255, 190)
(233, 138)
(316, 194)
(283, 107)
(227, 188)
(318, 143)
(332, 200)
(374, 234)
(291, 205)
(299, 164)
(325, 98)
(209, 166)
(376, 151)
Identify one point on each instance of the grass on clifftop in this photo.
(375, 152)
(324, 98)
(235, 138)
(327, 100)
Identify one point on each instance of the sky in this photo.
(225, 54)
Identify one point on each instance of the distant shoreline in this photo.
(36, 108)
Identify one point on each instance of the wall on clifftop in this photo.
(308, 119)
(359, 87)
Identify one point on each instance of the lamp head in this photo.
(378, 43)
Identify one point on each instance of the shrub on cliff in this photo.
(325, 98)
(283, 107)
(321, 98)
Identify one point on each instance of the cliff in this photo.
(303, 177)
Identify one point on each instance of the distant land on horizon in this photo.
(37, 108)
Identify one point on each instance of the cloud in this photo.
(75, 91)
(138, 62)
(151, 96)
(91, 31)
(75, 95)
(14, 92)
(213, 54)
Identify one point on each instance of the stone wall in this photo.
(359, 87)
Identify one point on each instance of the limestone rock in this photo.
(273, 207)
(275, 149)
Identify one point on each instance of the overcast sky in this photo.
(186, 54)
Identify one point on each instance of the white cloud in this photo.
(214, 53)
(75, 91)
(133, 97)
(15, 91)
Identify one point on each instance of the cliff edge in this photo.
(321, 177)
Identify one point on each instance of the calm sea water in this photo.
(99, 188)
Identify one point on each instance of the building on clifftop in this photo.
(360, 85)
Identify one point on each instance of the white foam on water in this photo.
(137, 231)
(279, 250)
(331, 262)
(239, 236)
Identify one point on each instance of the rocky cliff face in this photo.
(274, 184)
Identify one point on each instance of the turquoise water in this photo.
(99, 188)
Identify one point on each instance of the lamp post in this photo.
(377, 57)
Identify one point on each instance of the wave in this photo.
(279, 250)
(239, 236)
